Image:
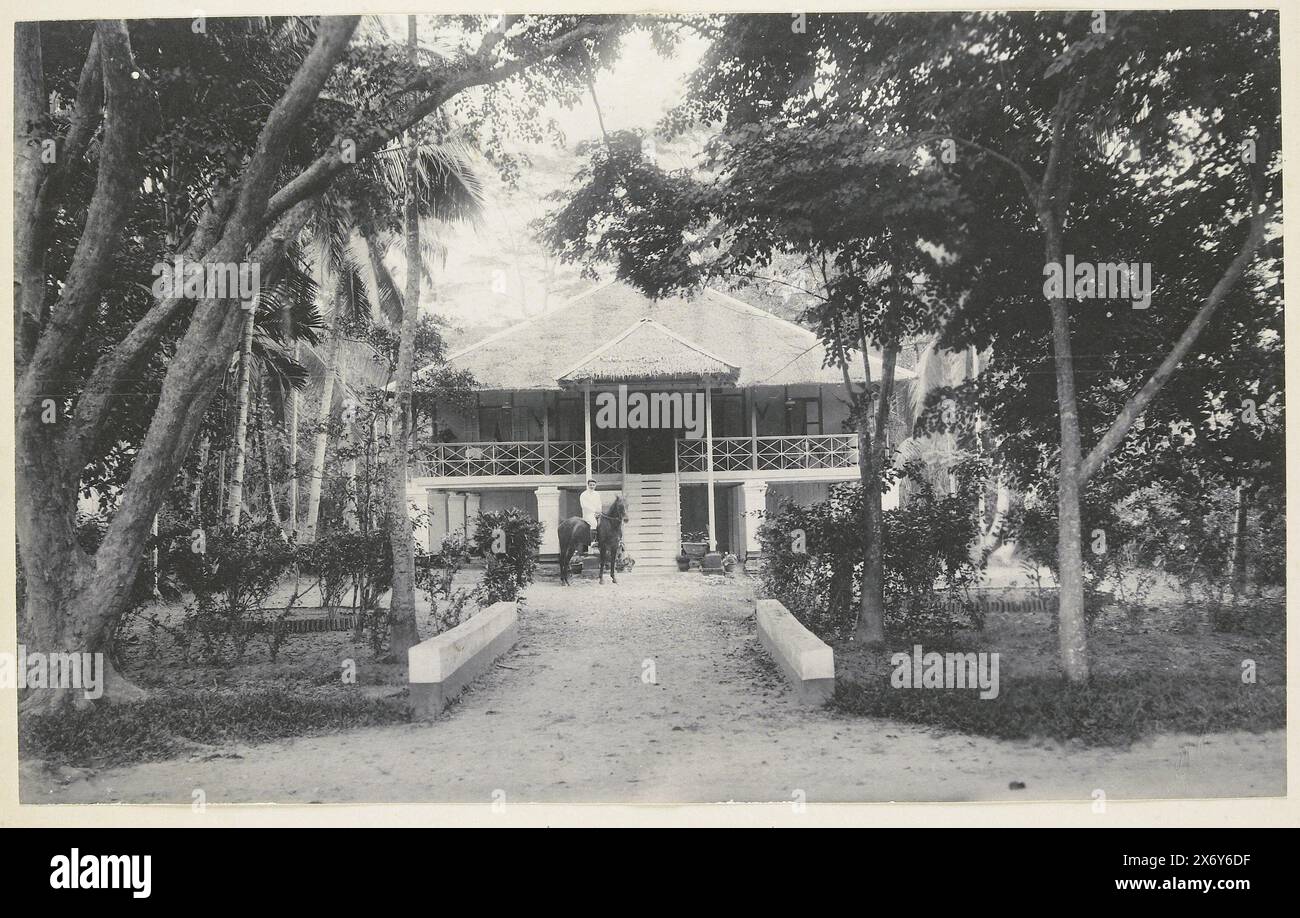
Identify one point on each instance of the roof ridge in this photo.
(627, 332)
(511, 329)
(689, 343)
(766, 314)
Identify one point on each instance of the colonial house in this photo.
(699, 412)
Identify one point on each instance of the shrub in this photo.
(447, 604)
(329, 561)
(1134, 541)
(511, 570)
(927, 558)
(231, 577)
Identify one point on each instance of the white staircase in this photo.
(653, 534)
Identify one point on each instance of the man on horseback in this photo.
(577, 532)
(591, 505)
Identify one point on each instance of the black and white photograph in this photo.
(687, 407)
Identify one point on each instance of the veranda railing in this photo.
(770, 454)
(517, 457)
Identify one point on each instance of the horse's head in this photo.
(618, 510)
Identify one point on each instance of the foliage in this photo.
(511, 570)
(436, 576)
(927, 554)
(231, 572)
(329, 561)
(1156, 535)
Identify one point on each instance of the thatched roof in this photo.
(647, 350)
(600, 332)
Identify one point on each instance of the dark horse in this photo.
(609, 534)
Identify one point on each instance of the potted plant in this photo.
(695, 545)
(683, 561)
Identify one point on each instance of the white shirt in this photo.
(591, 506)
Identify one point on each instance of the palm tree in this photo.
(350, 236)
(267, 352)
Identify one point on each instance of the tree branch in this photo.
(120, 170)
(332, 39)
(318, 175)
(1138, 403)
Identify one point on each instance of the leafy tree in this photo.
(1133, 137)
(869, 229)
(230, 179)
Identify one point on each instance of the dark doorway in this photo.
(652, 451)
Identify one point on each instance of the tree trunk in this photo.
(870, 629)
(293, 453)
(221, 486)
(403, 632)
(264, 444)
(1239, 543)
(241, 426)
(322, 428)
(871, 611)
(1072, 629)
(196, 499)
(74, 602)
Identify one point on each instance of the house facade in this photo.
(700, 413)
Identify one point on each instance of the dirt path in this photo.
(568, 718)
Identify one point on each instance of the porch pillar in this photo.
(755, 502)
(438, 522)
(456, 512)
(753, 429)
(586, 423)
(548, 514)
(546, 433)
(708, 456)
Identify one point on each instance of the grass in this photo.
(167, 725)
(1109, 711)
(1158, 670)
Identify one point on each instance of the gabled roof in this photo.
(647, 350)
(601, 332)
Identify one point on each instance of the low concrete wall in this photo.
(442, 666)
(807, 662)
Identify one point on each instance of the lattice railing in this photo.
(517, 457)
(739, 454)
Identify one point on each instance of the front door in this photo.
(651, 451)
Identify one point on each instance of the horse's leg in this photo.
(601, 546)
(613, 562)
(564, 563)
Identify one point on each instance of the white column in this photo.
(437, 518)
(456, 512)
(586, 423)
(708, 452)
(417, 500)
(548, 514)
(754, 501)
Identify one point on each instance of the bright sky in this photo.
(496, 274)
